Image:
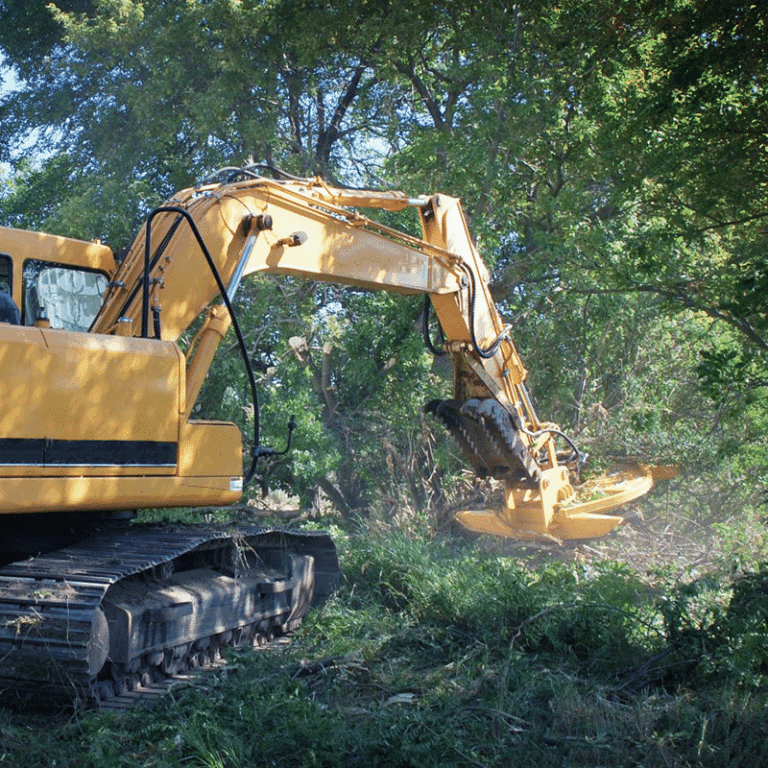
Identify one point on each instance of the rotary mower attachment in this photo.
(555, 511)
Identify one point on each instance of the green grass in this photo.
(435, 653)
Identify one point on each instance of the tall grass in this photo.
(435, 653)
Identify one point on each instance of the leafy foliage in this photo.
(611, 155)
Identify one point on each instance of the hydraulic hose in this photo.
(223, 291)
(488, 353)
(425, 330)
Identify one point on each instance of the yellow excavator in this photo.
(96, 422)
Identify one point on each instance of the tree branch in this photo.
(740, 324)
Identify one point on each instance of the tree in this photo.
(161, 92)
(690, 101)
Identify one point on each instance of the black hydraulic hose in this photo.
(223, 291)
(569, 440)
(145, 280)
(276, 172)
(488, 353)
(425, 329)
(491, 351)
(228, 174)
(578, 457)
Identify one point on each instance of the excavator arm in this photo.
(99, 417)
(308, 229)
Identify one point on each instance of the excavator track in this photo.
(127, 611)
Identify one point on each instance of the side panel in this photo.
(84, 494)
(80, 390)
(93, 422)
(210, 448)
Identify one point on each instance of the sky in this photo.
(8, 80)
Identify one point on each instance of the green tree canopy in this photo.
(611, 154)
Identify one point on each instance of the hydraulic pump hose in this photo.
(488, 353)
(435, 350)
(223, 291)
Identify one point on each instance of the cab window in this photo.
(6, 282)
(70, 297)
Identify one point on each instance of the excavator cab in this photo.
(58, 277)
